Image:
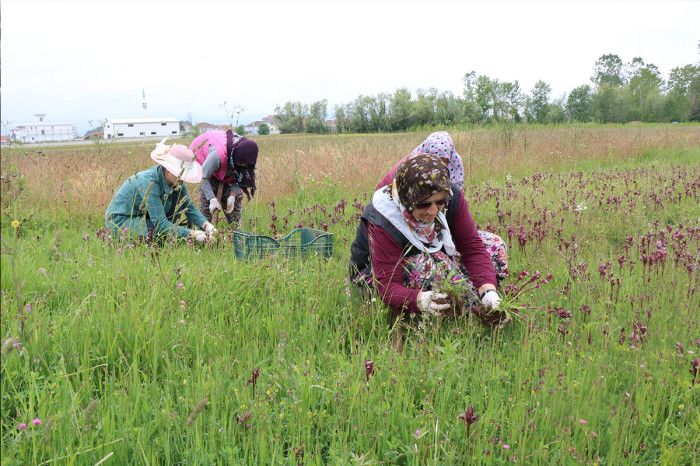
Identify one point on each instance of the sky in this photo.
(85, 61)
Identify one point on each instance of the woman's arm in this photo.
(156, 212)
(387, 265)
(210, 165)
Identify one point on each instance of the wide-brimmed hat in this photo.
(178, 160)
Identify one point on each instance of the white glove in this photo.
(427, 303)
(210, 229)
(214, 204)
(230, 202)
(491, 299)
(200, 236)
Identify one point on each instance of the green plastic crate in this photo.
(302, 242)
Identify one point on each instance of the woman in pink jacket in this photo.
(227, 159)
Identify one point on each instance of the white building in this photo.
(140, 127)
(44, 131)
(254, 127)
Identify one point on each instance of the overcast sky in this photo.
(91, 60)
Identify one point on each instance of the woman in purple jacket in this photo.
(406, 245)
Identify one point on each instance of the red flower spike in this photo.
(253, 379)
(469, 418)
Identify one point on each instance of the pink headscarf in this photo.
(440, 144)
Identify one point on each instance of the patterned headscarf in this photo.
(440, 144)
(419, 177)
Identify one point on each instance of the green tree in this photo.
(263, 129)
(485, 97)
(292, 117)
(423, 109)
(679, 97)
(608, 71)
(400, 109)
(359, 114)
(341, 119)
(579, 104)
(449, 110)
(537, 107)
(645, 85)
(316, 122)
(240, 130)
(378, 108)
(471, 109)
(556, 110)
(507, 101)
(610, 105)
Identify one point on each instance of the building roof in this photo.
(44, 123)
(255, 123)
(142, 120)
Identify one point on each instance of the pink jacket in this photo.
(218, 140)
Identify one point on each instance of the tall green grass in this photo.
(114, 345)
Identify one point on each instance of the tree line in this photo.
(618, 93)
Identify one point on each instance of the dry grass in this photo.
(82, 179)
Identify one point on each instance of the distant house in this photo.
(254, 127)
(331, 125)
(44, 131)
(271, 121)
(204, 127)
(140, 127)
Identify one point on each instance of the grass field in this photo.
(119, 353)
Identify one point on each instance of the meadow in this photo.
(123, 353)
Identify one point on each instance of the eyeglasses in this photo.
(440, 203)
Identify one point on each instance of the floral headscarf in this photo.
(418, 178)
(440, 144)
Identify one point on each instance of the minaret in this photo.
(143, 103)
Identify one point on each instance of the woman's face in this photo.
(428, 214)
(170, 178)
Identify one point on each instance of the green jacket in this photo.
(147, 192)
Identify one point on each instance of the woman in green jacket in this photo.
(155, 203)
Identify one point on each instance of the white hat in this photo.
(178, 160)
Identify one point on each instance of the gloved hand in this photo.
(427, 302)
(230, 202)
(491, 299)
(214, 204)
(199, 236)
(210, 229)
